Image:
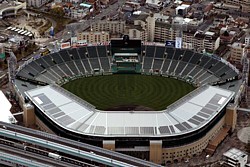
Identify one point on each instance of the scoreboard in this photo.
(125, 45)
(126, 55)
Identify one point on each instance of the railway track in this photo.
(78, 145)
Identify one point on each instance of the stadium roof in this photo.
(186, 115)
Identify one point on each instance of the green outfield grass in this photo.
(105, 92)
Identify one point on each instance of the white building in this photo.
(235, 158)
(182, 9)
(247, 40)
(156, 4)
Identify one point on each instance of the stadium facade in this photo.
(182, 130)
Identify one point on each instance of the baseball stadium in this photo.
(148, 100)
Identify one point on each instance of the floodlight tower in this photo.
(178, 26)
(12, 63)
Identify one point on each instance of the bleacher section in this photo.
(186, 64)
(183, 63)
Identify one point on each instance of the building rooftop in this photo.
(8, 3)
(235, 154)
(237, 45)
(186, 115)
(6, 115)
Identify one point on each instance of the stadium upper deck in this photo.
(187, 115)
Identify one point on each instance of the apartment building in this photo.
(163, 30)
(191, 39)
(93, 37)
(138, 27)
(114, 27)
(237, 52)
(211, 41)
(244, 5)
(136, 31)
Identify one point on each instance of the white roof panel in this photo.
(188, 114)
(186, 111)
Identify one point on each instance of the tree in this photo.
(58, 11)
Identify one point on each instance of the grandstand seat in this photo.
(170, 52)
(64, 55)
(187, 56)
(56, 58)
(105, 64)
(87, 65)
(165, 65)
(58, 71)
(159, 53)
(102, 51)
(82, 52)
(65, 69)
(42, 63)
(172, 67)
(157, 64)
(36, 66)
(150, 51)
(147, 63)
(180, 67)
(178, 54)
(92, 53)
(187, 70)
(71, 65)
(48, 60)
(94, 63)
(80, 67)
(179, 62)
(74, 53)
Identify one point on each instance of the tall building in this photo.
(138, 27)
(237, 52)
(114, 27)
(93, 37)
(150, 27)
(163, 30)
(136, 31)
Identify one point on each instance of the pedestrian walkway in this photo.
(214, 143)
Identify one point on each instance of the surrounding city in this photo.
(48, 45)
